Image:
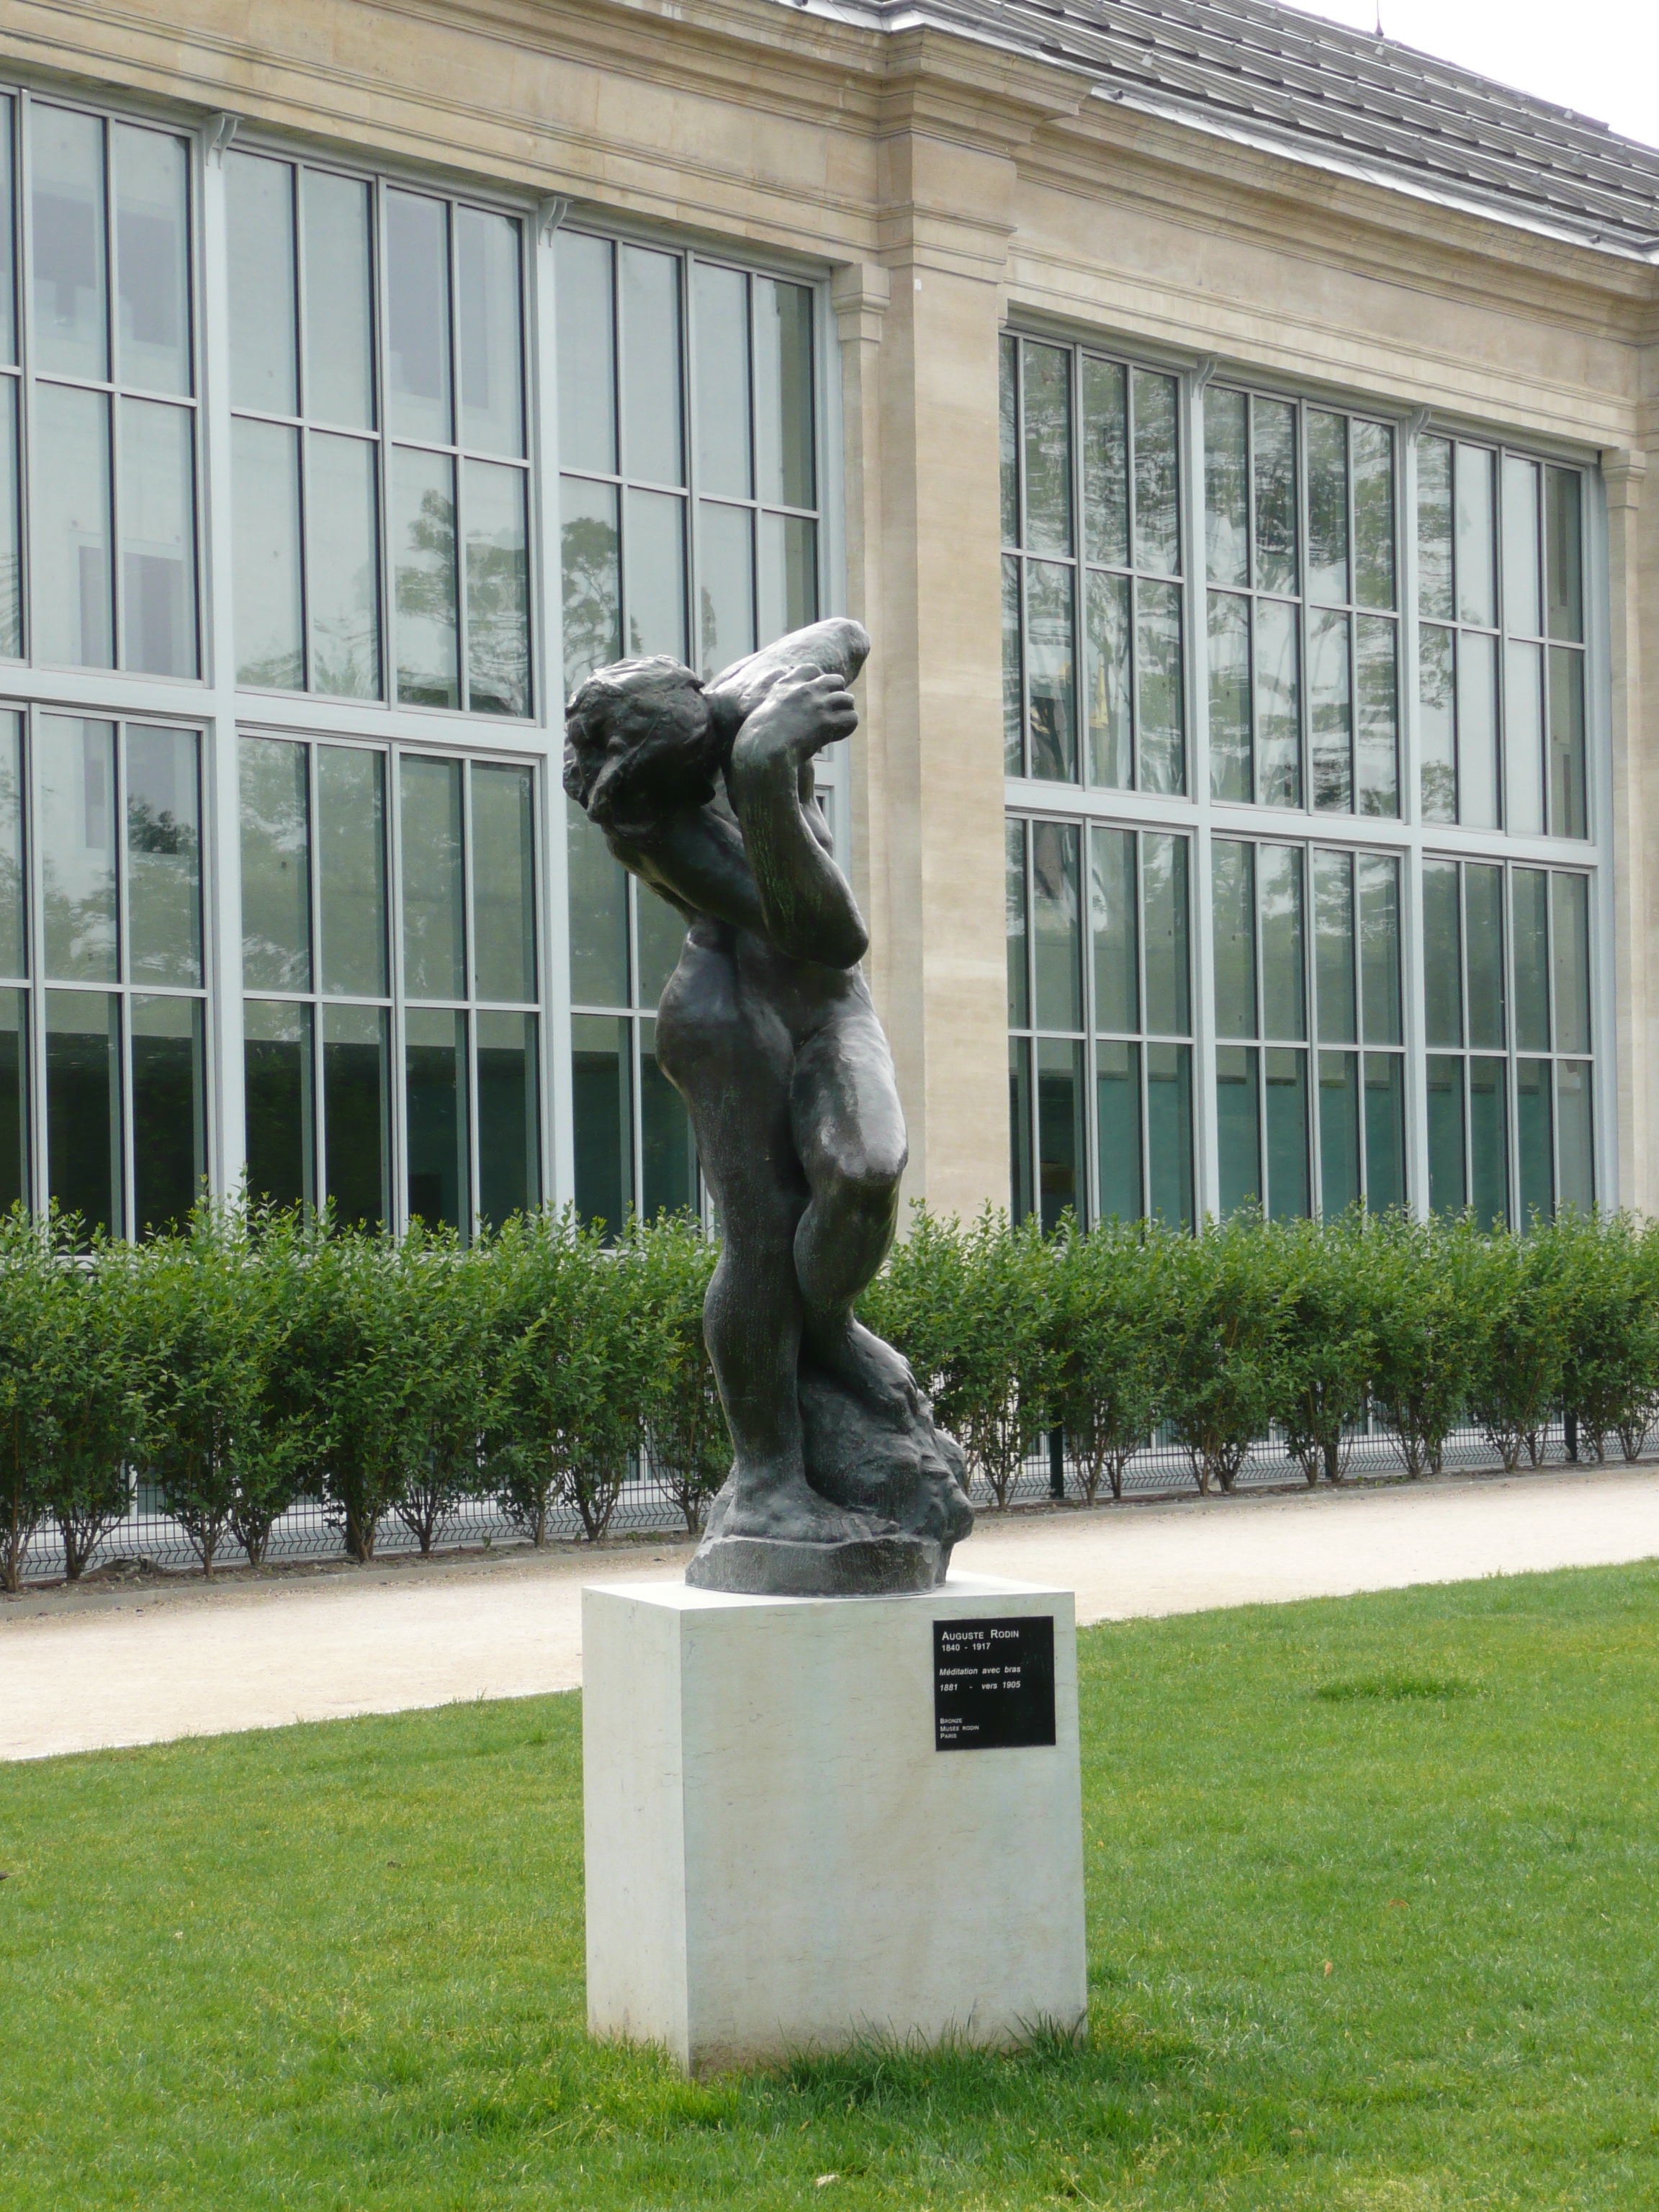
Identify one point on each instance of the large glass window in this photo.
(377, 374)
(390, 967)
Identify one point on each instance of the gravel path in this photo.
(80, 1670)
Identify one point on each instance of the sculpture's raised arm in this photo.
(810, 912)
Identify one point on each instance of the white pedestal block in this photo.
(780, 1859)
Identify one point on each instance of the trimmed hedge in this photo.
(258, 1360)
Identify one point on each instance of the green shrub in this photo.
(348, 1337)
(91, 1349)
(1422, 1284)
(1327, 1341)
(1522, 1290)
(1110, 1335)
(1610, 1346)
(29, 1386)
(1227, 1368)
(445, 1299)
(685, 1431)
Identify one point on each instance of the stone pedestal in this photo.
(782, 1856)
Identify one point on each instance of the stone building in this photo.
(1231, 427)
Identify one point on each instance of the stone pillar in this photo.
(1635, 818)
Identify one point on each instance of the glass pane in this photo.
(1523, 739)
(423, 551)
(164, 857)
(1477, 731)
(1059, 1130)
(8, 256)
(721, 321)
(1013, 710)
(1443, 959)
(599, 915)
(13, 940)
(1489, 1144)
(1008, 436)
(351, 860)
(1055, 901)
(1521, 548)
(1238, 1136)
(1436, 662)
(783, 393)
(276, 1081)
(417, 317)
(435, 1106)
(510, 1161)
(83, 1106)
(152, 259)
(1373, 514)
(1575, 1135)
(492, 351)
(602, 1119)
(1105, 465)
(1169, 1133)
(339, 383)
(1278, 892)
(1110, 760)
(788, 573)
(1117, 1119)
(433, 890)
(725, 590)
(1275, 496)
(158, 538)
(1379, 947)
(169, 1118)
(70, 529)
(1048, 413)
(1277, 723)
(1164, 895)
(651, 447)
(1157, 667)
(265, 528)
(1330, 713)
(260, 214)
(1572, 1020)
(356, 1113)
(1434, 528)
(497, 590)
(1533, 1143)
(1333, 964)
(1019, 1127)
(344, 566)
(71, 304)
(1476, 599)
(1157, 475)
(1563, 542)
(592, 580)
(1287, 1132)
(1568, 813)
(1446, 1185)
(1048, 670)
(668, 1151)
(504, 882)
(660, 931)
(1232, 868)
(1529, 891)
(587, 366)
(1014, 908)
(1226, 488)
(75, 778)
(654, 550)
(11, 606)
(1376, 752)
(1229, 697)
(1327, 507)
(275, 866)
(1385, 1130)
(1112, 918)
(1483, 922)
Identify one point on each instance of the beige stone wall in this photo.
(945, 186)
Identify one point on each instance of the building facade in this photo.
(1231, 428)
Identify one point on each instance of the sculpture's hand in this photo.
(803, 711)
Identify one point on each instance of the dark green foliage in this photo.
(1326, 1340)
(685, 1431)
(1522, 1294)
(1423, 1285)
(92, 1346)
(1610, 1348)
(30, 1385)
(1112, 1327)
(445, 1301)
(1228, 1363)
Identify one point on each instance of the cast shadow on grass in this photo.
(1393, 1686)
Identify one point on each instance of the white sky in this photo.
(1599, 56)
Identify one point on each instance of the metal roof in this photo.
(1271, 76)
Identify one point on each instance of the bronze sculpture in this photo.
(842, 1484)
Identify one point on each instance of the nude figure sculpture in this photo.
(841, 1483)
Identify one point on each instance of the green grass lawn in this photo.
(1373, 1927)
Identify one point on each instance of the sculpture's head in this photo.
(640, 741)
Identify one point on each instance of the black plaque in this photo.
(993, 1683)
